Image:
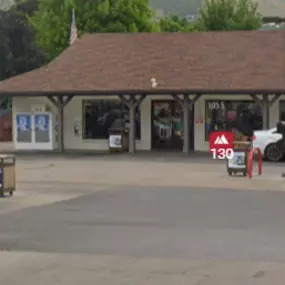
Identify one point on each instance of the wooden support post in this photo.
(255, 98)
(66, 100)
(265, 112)
(52, 100)
(194, 100)
(191, 123)
(132, 104)
(60, 123)
(60, 103)
(132, 130)
(176, 98)
(274, 99)
(266, 105)
(123, 99)
(186, 129)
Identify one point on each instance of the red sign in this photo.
(221, 140)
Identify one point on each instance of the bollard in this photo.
(250, 161)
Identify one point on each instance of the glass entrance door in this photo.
(167, 125)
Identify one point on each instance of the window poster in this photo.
(42, 122)
(23, 127)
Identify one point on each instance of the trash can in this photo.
(118, 140)
(7, 174)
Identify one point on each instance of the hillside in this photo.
(183, 7)
(5, 4)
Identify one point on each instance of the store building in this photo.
(170, 89)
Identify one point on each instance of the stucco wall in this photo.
(73, 112)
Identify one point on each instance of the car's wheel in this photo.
(273, 152)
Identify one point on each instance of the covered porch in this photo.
(135, 67)
(67, 114)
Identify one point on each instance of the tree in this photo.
(218, 15)
(53, 19)
(5, 54)
(174, 23)
(17, 49)
(18, 53)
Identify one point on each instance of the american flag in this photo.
(73, 31)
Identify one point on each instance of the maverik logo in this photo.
(220, 140)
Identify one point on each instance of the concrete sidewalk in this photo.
(116, 171)
(58, 269)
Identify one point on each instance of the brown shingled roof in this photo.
(210, 61)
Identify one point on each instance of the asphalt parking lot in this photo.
(124, 220)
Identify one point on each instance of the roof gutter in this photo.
(143, 92)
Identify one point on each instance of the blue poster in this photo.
(42, 122)
(23, 122)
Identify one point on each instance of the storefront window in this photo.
(101, 115)
(220, 114)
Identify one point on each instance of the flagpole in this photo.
(73, 13)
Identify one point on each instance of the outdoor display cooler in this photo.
(7, 174)
(238, 163)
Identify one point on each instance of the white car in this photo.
(266, 140)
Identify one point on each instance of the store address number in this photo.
(214, 105)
